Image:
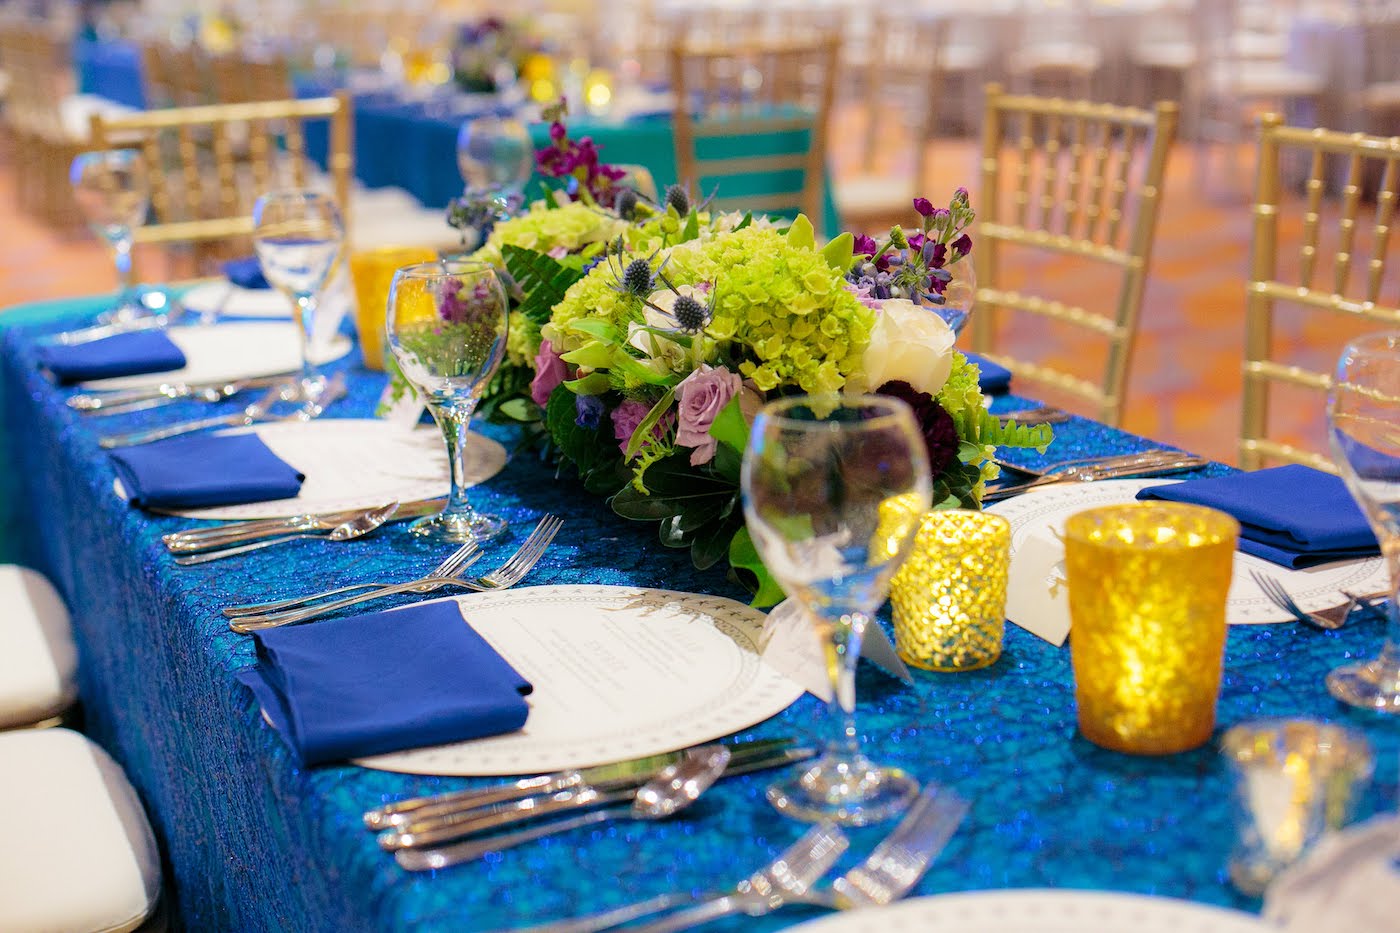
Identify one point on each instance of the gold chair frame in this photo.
(1089, 223)
(1266, 288)
(252, 135)
(785, 64)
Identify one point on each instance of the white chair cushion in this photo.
(89, 862)
(38, 662)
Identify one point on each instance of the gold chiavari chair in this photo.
(238, 79)
(1071, 178)
(736, 91)
(208, 164)
(175, 76)
(901, 69)
(1352, 293)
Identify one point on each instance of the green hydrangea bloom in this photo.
(522, 340)
(572, 226)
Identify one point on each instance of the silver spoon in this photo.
(670, 791)
(356, 527)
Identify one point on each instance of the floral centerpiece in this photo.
(488, 55)
(645, 338)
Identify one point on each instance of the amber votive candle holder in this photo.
(1147, 590)
(949, 596)
(372, 272)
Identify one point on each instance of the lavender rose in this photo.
(701, 396)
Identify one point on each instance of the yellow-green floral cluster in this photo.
(785, 303)
(570, 227)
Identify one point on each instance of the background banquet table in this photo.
(254, 842)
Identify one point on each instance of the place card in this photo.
(1037, 595)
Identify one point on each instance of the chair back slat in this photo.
(1099, 170)
(751, 89)
(1354, 300)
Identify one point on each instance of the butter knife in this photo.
(477, 821)
(401, 812)
(225, 535)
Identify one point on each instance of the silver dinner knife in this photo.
(401, 812)
(224, 535)
(476, 821)
(128, 400)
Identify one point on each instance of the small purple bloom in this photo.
(550, 370)
(627, 416)
(962, 246)
(924, 206)
(590, 410)
(557, 132)
(864, 246)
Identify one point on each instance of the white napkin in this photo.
(1349, 883)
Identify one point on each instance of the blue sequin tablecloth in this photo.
(253, 842)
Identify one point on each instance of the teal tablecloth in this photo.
(254, 842)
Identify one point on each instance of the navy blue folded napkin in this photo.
(246, 273)
(131, 354)
(383, 682)
(204, 470)
(1291, 515)
(992, 379)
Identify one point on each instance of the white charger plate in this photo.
(1320, 587)
(1037, 910)
(619, 672)
(357, 463)
(227, 352)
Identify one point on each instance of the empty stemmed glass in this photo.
(112, 189)
(833, 491)
(298, 235)
(495, 157)
(446, 325)
(1363, 417)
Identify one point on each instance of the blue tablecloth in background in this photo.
(256, 843)
(110, 69)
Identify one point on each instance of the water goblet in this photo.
(298, 235)
(112, 189)
(1363, 419)
(446, 324)
(495, 157)
(833, 491)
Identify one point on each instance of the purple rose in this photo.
(701, 396)
(924, 206)
(550, 370)
(627, 416)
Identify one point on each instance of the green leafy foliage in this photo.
(542, 279)
(598, 460)
(746, 565)
(696, 509)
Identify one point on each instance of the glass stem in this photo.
(306, 317)
(455, 423)
(842, 648)
(121, 248)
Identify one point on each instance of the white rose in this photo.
(908, 344)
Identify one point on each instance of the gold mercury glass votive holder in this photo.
(1147, 590)
(372, 272)
(949, 596)
(1295, 779)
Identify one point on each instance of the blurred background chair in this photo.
(1339, 268)
(38, 658)
(729, 97)
(1078, 179)
(208, 165)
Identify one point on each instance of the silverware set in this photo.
(123, 401)
(246, 619)
(259, 412)
(1146, 463)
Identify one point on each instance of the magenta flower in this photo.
(627, 416)
(550, 370)
(865, 246)
(924, 206)
(962, 246)
(701, 396)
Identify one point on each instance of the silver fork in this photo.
(1146, 465)
(1280, 597)
(796, 868)
(456, 562)
(507, 575)
(887, 874)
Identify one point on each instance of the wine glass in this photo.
(833, 491)
(495, 157)
(1363, 418)
(446, 324)
(298, 235)
(112, 189)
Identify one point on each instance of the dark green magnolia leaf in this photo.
(748, 567)
(712, 542)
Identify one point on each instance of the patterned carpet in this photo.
(1184, 386)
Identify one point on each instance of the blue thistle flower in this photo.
(637, 278)
(626, 204)
(690, 314)
(677, 197)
